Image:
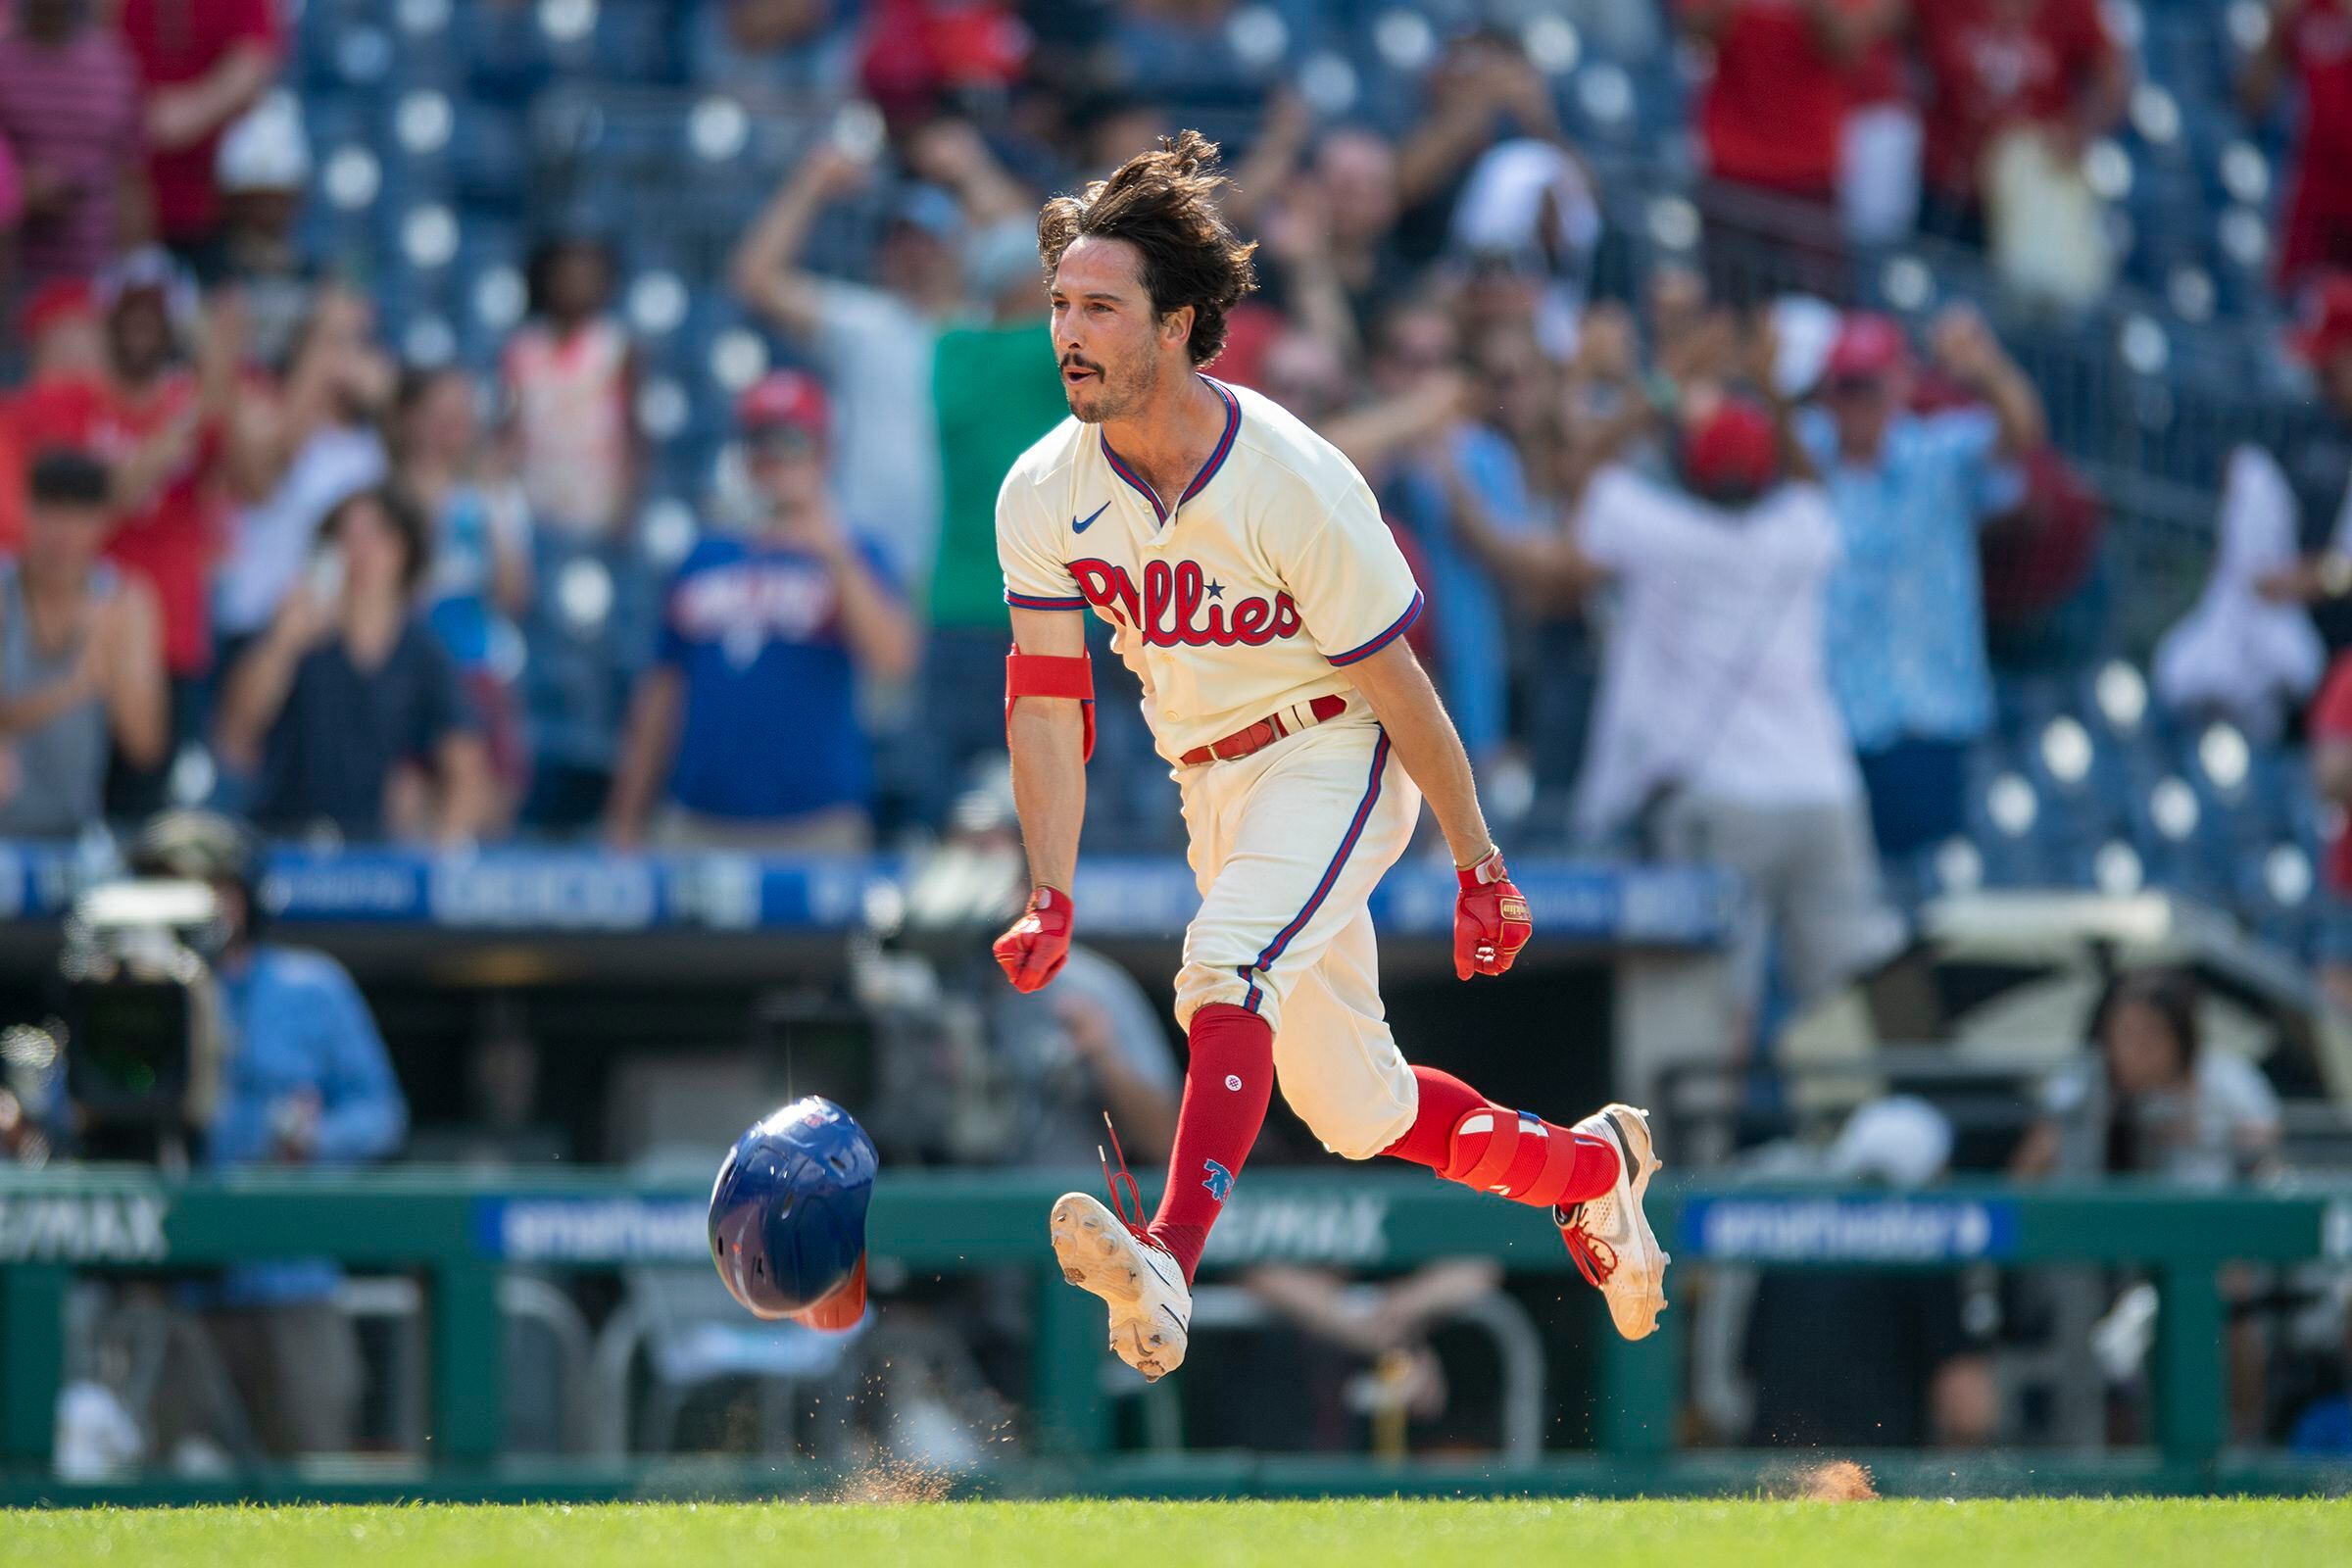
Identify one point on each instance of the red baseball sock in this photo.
(1456, 1131)
(1226, 1089)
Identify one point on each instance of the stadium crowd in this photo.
(1719, 567)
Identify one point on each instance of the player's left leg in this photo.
(1342, 1072)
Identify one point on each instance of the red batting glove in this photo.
(1033, 950)
(1490, 919)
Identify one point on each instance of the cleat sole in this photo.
(1101, 1260)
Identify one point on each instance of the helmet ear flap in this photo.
(787, 1219)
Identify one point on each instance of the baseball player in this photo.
(1258, 598)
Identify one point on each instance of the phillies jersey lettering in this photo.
(1169, 613)
(1272, 574)
(743, 606)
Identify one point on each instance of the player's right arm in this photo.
(1049, 724)
(1047, 737)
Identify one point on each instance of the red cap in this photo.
(1734, 450)
(1867, 347)
(60, 300)
(2327, 329)
(784, 398)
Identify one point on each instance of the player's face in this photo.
(1110, 348)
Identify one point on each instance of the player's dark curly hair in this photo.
(1163, 204)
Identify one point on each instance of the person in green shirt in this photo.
(996, 390)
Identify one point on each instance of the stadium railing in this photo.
(461, 1234)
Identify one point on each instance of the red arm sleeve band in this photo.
(1053, 675)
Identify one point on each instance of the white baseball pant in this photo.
(1287, 846)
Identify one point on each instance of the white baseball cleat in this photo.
(1609, 1236)
(1150, 1305)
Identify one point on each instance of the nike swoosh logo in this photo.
(1159, 1273)
(1077, 526)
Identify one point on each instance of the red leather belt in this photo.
(1267, 730)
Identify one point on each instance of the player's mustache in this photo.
(1074, 363)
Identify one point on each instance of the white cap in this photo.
(1803, 328)
(1900, 1139)
(1501, 205)
(267, 149)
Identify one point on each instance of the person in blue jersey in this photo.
(744, 734)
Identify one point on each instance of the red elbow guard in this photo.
(1053, 675)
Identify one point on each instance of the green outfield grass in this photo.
(2127, 1533)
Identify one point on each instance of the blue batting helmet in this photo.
(787, 1215)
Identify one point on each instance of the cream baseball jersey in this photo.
(1271, 574)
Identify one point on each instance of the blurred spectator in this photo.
(162, 427)
(1879, 1357)
(263, 168)
(1330, 258)
(1786, 74)
(479, 584)
(1047, 1066)
(1388, 1324)
(2311, 40)
(766, 53)
(1482, 84)
(2050, 67)
(64, 390)
(874, 344)
(996, 391)
(81, 667)
(1716, 737)
(2319, 468)
(2153, 1099)
(2322, 580)
(2329, 732)
(2046, 583)
(1426, 462)
(306, 1084)
(745, 732)
(202, 63)
(570, 374)
(1906, 627)
(1879, 144)
(919, 54)
(1078, 1052)
(346, 713)
(305, 443)
(1525, 232)
(2236, 655)
(70, 115)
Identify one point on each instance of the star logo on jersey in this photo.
(1081, 524)
(1219, 1180)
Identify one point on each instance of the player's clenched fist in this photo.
(1490, 919)
(1033, 949)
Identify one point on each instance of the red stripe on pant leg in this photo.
(1227, 1086)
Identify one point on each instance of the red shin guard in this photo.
(1466, 1138)
(1226, 1089)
